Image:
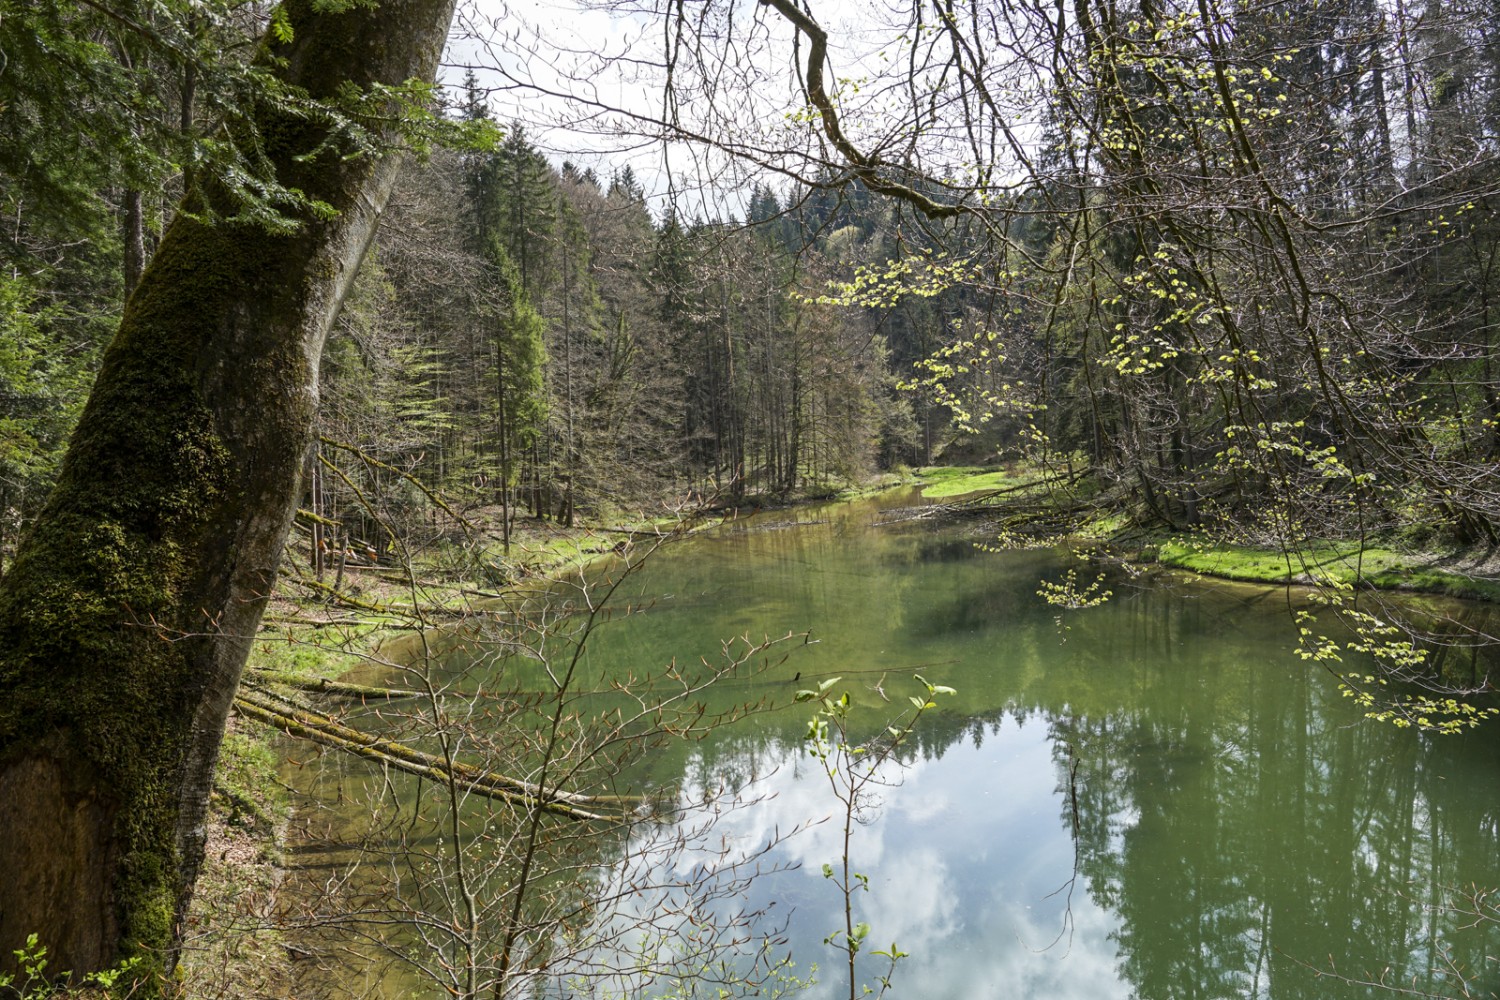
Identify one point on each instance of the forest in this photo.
(1246, 289)
(1205, 271)
(532, 339)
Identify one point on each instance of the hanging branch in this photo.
(866, 168)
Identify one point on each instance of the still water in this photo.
(1154, 797)
(1150, 798)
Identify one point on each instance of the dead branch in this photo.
(325, 731)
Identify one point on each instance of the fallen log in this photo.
(321, 685)
(325, 731)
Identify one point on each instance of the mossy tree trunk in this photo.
(128, 612)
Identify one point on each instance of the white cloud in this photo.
(964, 858)
(588, 78)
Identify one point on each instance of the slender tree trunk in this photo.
(319, 533)
(733, 427)
(133, 235)
(1385, 153)
(127, 616)
(132, 215)
(186, 104)
(504, 447)
(570, 455)
(794, 440)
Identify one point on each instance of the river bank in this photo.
(1010, 495)
(314, 637)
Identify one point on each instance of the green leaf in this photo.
(281, 25)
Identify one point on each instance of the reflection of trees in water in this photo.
(1468, 659)
(1294, 836)
(1240, 821)
(1235, 814)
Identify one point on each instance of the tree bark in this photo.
(133, 235)
(487, 784)
(129, 610)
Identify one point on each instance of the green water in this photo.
(1151, 798)
(1240, 828)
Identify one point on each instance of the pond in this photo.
(1154, 797)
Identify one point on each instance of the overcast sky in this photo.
(588, 83)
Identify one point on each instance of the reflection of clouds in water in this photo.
(914, 905)
(965, 855)
(1000, 966)
(921, 802)
(982, 851)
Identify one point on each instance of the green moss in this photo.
(1342, 563)
(958, 480)
(1107, 525)
(84, 671)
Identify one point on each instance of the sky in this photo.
(588, 81)
(588, 85)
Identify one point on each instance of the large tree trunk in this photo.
(127, 615)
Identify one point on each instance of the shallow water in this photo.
(1241, 831)
(1154, 797)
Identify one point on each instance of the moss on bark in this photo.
(126, 617)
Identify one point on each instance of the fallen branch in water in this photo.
(321, 685)
(325, 731)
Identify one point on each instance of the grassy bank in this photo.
(1468, 575)
(942, 483)
(1340, 563)
(1471, 575)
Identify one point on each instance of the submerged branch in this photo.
(325, 731)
